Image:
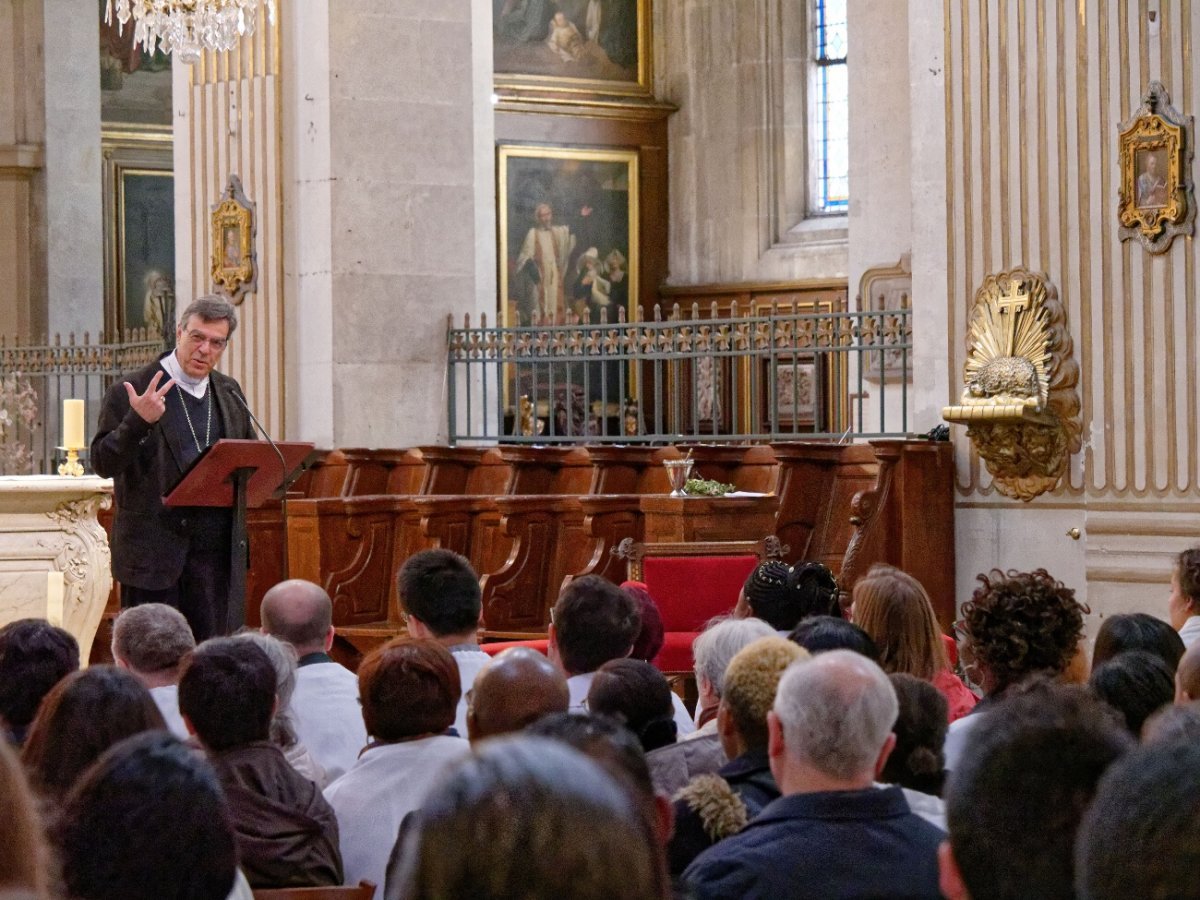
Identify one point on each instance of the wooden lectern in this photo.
(240, 474)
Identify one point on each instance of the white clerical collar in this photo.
(194, 386)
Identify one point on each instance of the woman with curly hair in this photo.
(1184, 605)
(1015, 625)
(893, 608)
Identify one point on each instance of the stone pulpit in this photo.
(54, 558)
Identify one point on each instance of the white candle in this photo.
(72, 430)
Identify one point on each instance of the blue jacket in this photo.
(825, 846)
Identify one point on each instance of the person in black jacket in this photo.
(152, 426)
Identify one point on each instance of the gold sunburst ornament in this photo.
(1020, 402)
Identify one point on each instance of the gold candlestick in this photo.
(72, 466)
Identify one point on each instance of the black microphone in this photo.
(282, 463)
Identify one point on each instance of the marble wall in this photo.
(738, 72)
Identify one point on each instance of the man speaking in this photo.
(152, 427)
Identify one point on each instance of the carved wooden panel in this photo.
(688, 519)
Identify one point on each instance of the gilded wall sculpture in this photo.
(1020, 402)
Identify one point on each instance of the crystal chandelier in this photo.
(187, 27)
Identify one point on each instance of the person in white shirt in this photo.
(592, 622)
(441, 601)
(151, 641)
(409, 690)
(325, 710)
(1184, 605)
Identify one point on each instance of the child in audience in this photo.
(635, 693)
(893, 608)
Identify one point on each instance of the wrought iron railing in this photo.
(775, 376)
(37, 375)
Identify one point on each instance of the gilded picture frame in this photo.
(1156, 149)
(139, 230)
(575, 47)
(234, 229)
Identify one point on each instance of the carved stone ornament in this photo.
(1021, 403)
(1157, 196)
(234, 229)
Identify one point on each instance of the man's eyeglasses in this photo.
(200, 339)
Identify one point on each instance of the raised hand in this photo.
(152, 404)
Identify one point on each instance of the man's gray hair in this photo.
(836, 711)
(720, 642)
(211, 308)
(152, 638)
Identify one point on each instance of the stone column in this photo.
(73, 210)
(389, 211)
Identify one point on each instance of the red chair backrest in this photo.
(690, 590)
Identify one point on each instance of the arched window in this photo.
(829, 185)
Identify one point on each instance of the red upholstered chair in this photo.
(692, 583)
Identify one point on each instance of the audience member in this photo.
(712, 807)
(1141, 834)
(410, 690)
(651, 634)
(25, 862)
(147, 822)
(636, 694)
(529, 819)
(283, 732)
(325, 710)
(1015, 625)
(1179, 720)
(514, 690)
(894, 609)
(917, 763)
(287, 834)
(700, 752)
(833, 833)
(1137, 631)
(1134, 683)
(616, 749)
(82, 716)
(1184, 604)
(151, 641)
(816, 634)
(1187, 677)
(1016, 799)
(441, 601)
(592, 622)
(783, 595)
(34, 657)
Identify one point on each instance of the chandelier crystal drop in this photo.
(187, 27)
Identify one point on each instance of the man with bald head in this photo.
(325, 707)
(515, 689)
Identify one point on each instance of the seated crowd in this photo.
(839, 748)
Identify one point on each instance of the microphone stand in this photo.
(284, 483)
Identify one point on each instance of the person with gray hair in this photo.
(832, 833)
(153, 425)
(151, 641)
(283, 731)
(700, 753)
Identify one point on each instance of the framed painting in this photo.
(795, 385)
(568, 234)
(590, 46)
(234, 263)
(139, 232)
(1157, 197)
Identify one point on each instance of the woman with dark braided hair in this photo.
(783, 595)
(1015, 625)
(1184, 605)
